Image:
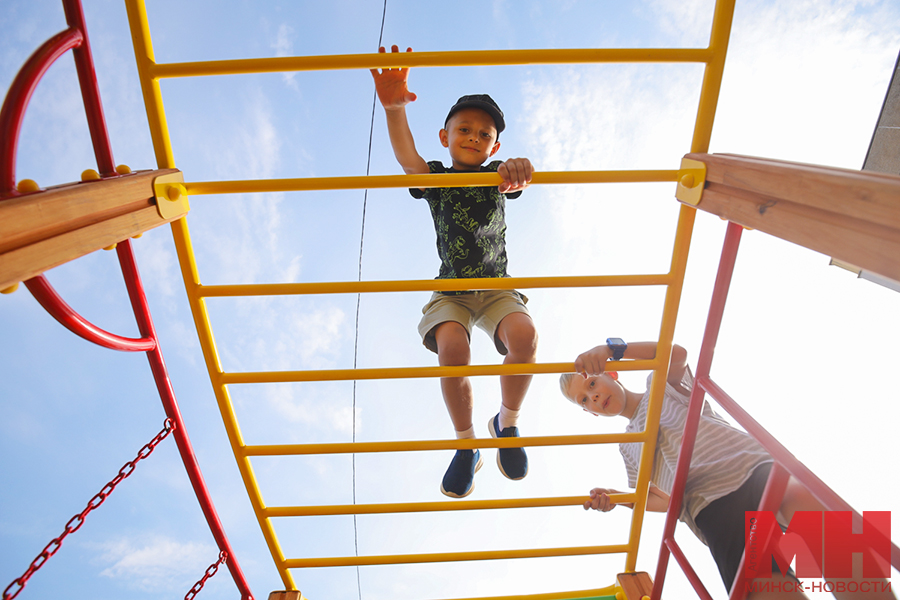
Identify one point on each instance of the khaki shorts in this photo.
(484, 309)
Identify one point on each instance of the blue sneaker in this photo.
(459, 479)
(513, 462)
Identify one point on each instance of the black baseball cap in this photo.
(485, 103)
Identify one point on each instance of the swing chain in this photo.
(223, 556)
(13, 589)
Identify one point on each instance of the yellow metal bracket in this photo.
(691, 179)
(171, 196)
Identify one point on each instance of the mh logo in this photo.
(822, 542)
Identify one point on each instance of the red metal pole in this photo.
(771, 500)
(90, 90)
(167, 395)
(23, 86)
(824, 494)
(689, 572)
(704, 361)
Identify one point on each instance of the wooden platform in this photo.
(44, 229)
(853, 216)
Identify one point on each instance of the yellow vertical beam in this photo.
(706, 110)
(712, 75)
(143, 50)
(153, 104)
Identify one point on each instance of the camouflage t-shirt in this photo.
(470, 224)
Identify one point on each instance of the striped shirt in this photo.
(723, 458)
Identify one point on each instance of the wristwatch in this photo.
(618, 347)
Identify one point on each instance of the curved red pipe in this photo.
(170, 404)
(23, 86)
(44, 293)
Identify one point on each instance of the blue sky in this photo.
(808, 349)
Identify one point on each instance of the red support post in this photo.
(771, 500)
(704, 361)
(824, 494)
(167, 395)
(90, 90)
(689, 572)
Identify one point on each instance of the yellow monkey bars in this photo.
(150, 72)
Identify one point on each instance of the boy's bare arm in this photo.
(593, 362)
(391, 86)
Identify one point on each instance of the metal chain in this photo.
(223, 556)
(78, 520)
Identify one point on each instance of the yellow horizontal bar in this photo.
(404, 559)
(408, 507)
(415, 372)
(430, 59)
(430, 285)
(361, 182)
(422, 445)
(572, 595)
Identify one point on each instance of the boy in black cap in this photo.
(471, 241)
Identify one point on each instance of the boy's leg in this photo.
(453, 351)
(452, 342)
(517, 333)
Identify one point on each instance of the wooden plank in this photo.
(849, 215)
(635, 585)
(30, 218)
(860, 194)
(28, 261)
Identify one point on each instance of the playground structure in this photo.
(850, 215)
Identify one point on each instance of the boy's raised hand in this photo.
(391, 85)
(593, 362)
(516, 174)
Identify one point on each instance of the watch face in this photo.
(618, 346)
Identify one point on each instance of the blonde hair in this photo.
(565, 380)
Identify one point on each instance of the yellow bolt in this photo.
(26, 186)
(123, 169)
(90, 175)
(620, 596)
(687, 180)
(136, 236)
(10, 289)
(175, 191)
(113, 247)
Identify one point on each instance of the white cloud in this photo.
(156, 563)
(282, 338)
(315, 409)
(284, 46)
(609, 117)
(688, 22)
(262, 136)
(243, 239)
(805, 80)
